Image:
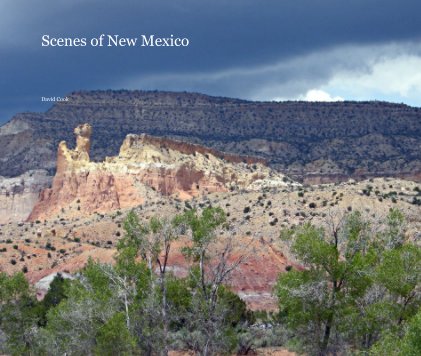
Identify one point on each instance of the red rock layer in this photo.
(102, 191)
(163, 166)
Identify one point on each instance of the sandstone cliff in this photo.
(145, 167)
(18, 195)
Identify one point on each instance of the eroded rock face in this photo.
(146, 166)
(66, 156)
(18, 195)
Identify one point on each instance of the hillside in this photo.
(106, 211)
(64, 242)
(82, 214)
(317, 142)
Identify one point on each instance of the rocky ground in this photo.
(65, 242)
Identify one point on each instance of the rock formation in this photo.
(323, 141)
(310, 142)
(66, 156)
(146, 166)
(18, 195)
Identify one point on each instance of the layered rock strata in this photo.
(145, 166)
(18, 195)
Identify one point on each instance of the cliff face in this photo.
(146, 166)
(322, 141)
(18, 195)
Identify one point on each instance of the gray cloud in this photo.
(241, 48)
(286, 79)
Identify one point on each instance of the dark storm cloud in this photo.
(226, 38)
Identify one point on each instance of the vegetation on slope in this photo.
(360, 285)
(359, 291)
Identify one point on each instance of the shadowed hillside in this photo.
(318, 141)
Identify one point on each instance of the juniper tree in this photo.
(356, 282)
(212, 255)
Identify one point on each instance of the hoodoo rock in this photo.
(80, 153)
(146, 166)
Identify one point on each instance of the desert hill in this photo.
(314, 142)
(82, 214)
(65, 242)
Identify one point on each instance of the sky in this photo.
(316, 50)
